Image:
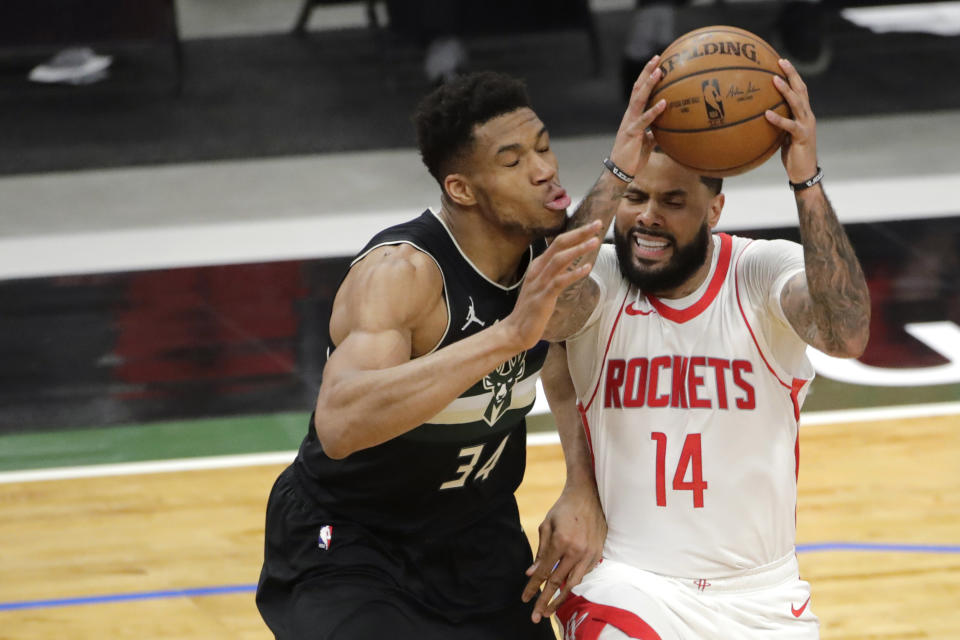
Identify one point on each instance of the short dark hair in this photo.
(714, 184)
(445, 118)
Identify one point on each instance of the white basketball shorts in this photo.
(616, 601)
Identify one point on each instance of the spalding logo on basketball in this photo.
(718, 82)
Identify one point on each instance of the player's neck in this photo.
(495, 253)
(692, 283)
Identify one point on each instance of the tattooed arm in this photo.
(576, 302)
(631, 148)
(828, 304)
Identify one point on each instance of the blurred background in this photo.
(178, 203)
(182, 183)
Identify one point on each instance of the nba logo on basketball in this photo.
(712, 99)
(326, 535)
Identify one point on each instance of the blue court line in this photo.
(250, 588)
(125, 597)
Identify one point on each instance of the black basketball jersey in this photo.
(469, 458)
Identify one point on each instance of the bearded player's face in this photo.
(663, 224)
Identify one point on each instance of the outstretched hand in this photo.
(561, 265)
(799, 151)
(633, 143)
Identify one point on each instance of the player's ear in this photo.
(716, 207)
(459, 189)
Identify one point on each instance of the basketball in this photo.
(717, 82)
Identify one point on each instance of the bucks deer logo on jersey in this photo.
(501, 381)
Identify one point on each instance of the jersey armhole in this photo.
(597, 309)
(443, 278)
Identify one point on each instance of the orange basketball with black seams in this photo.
(718, 82)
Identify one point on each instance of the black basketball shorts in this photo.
(324, 579)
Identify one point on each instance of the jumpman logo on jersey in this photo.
(472, 317)
(702, 584)
(570, 631)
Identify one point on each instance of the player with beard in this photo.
(398, 518)
(684, 261)
(688, 360)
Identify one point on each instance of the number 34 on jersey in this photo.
(472, 456)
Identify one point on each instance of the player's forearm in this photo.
(599, 204)
(562, 398)
(576, 452)
(840, 298)
(573, 304)
(580, 483)
(362, 409)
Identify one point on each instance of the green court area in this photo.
(153, 441)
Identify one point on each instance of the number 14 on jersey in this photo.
(690, 458)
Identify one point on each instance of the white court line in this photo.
(150, 466)
(342, 235)
(533, 439)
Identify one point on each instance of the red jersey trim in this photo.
(613, 329)
(586, 430)
(691, 312)
(581, 619)
(796, 384)
(736, 282)
(795, 397)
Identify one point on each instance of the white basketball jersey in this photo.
(691, 408)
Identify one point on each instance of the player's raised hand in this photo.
(562, 264)
(799, 152)
(633, 142)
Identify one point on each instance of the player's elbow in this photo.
(858, 344)
(333, 440)
(332, 430)
(851, 347)
(859, 334)
(857, 341)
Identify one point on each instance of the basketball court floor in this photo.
(158, 363)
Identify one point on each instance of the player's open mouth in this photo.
(560, 201)
(648, 247)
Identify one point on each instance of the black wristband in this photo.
(806, 184)
(617, 171)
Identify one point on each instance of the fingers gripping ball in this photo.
(717, 82)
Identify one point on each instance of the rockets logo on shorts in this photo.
(325, 537)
